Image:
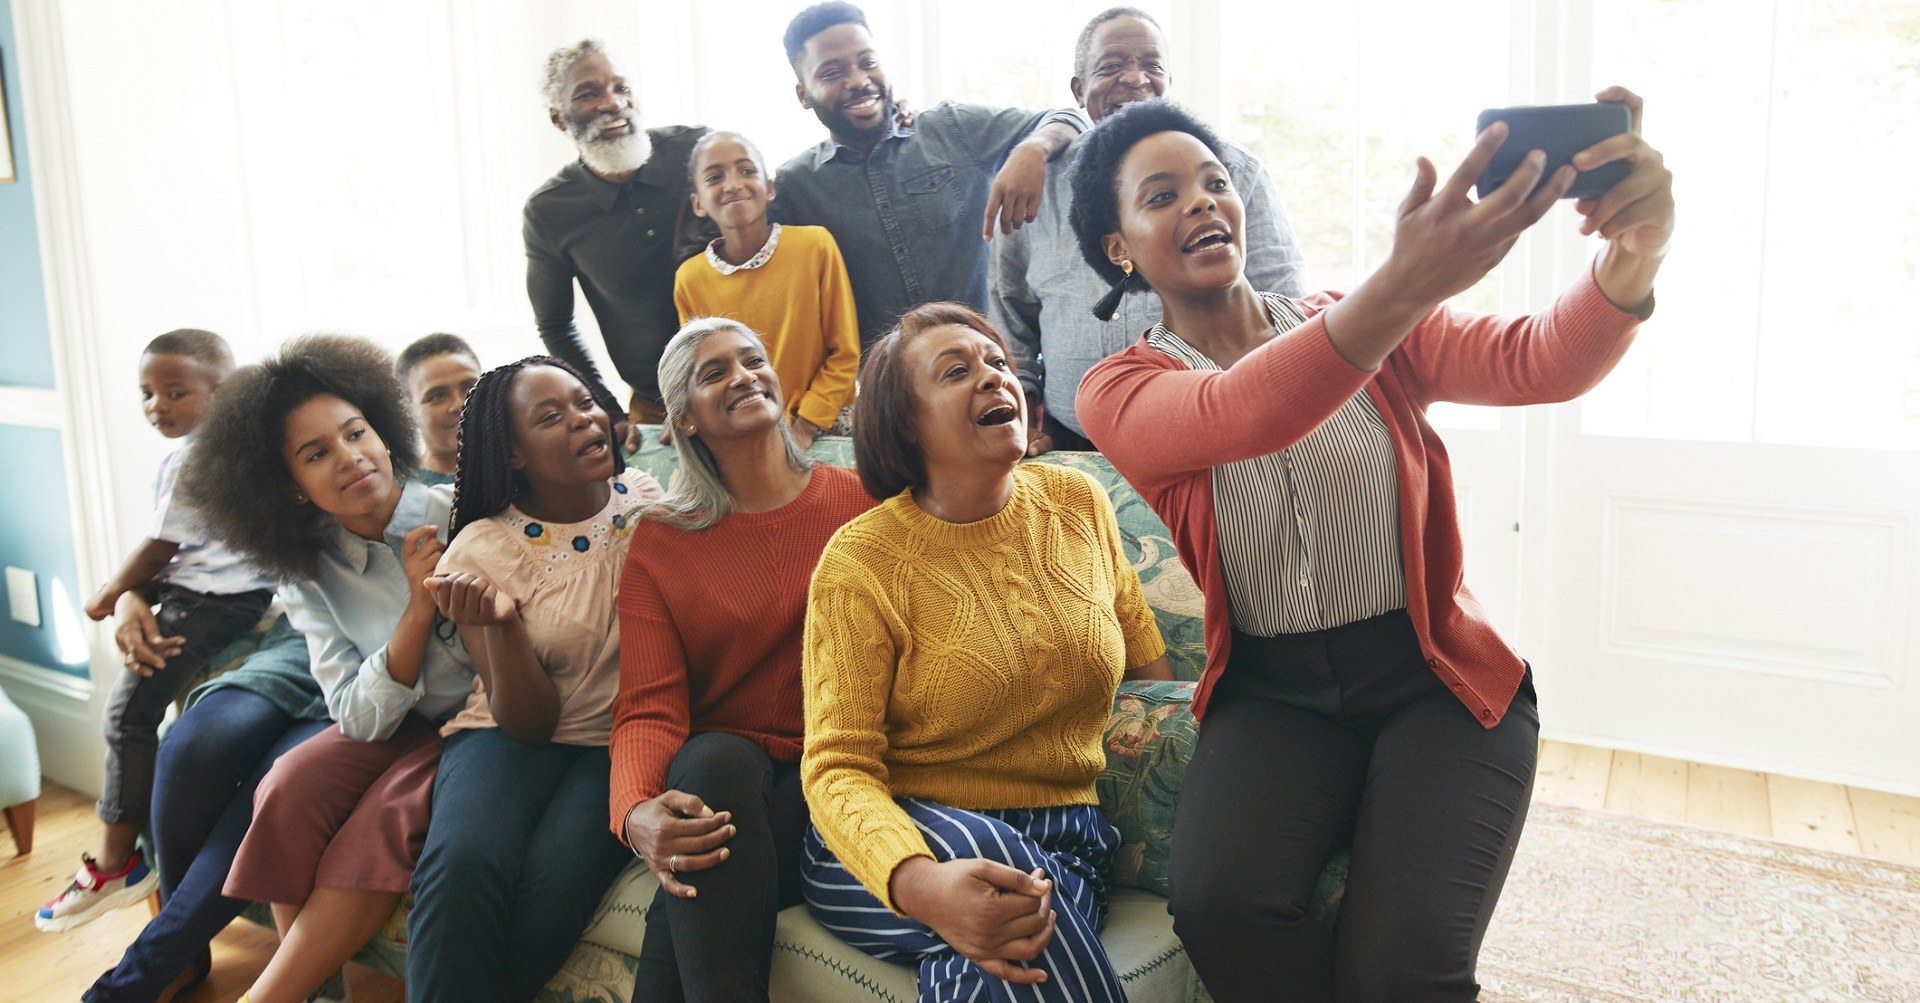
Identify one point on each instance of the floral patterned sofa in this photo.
(1149, 738)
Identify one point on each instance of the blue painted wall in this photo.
(27, 358)
(36, 534)
(36, 531)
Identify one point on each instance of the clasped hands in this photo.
(996, 916)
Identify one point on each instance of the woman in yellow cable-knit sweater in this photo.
(964, 640)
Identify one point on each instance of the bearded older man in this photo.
(618, 220)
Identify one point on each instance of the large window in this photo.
(1338, 100)
(1790, 311)
(977, 59)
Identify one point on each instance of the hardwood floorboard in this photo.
(1813, 814)
(1649, 786)
(1729, 800)
(1572, 775)
(1888, 824)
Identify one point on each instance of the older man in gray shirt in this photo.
(1043, 292)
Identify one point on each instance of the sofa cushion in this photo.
(1149, 739)
(811, 963)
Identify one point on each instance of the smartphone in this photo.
(1561, 130)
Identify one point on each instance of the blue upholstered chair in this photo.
(19, 772)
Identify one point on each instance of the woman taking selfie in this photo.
(1355, 691)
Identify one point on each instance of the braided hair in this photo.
(484, 482)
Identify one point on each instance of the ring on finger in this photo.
(673, 864)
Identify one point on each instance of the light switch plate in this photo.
(23, 596)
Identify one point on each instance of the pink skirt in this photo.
(337, 812)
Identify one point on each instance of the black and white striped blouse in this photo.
(1310, 535)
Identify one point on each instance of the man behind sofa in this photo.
(614, 219)
(901, 201)
(1043, 291)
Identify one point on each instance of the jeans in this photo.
(203, 788)
(137, 704)
(517, 858)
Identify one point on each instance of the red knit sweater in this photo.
(1165, 427)
(710, 630)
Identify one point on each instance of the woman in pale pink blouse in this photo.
(517, 855)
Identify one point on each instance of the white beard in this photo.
(618, 155)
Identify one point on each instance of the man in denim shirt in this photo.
(1043, 290)
(901, 201)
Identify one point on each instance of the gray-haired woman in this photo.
(707, 725)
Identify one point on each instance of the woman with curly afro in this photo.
(308, 467)
(1355, 691)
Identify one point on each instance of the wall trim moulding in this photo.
(1877, 662)
(66, 721)
(74, 692)
(31, 407)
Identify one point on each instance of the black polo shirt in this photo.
(623, 243)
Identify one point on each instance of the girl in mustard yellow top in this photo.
(787, 283)
(963, 643)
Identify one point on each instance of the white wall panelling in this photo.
(1809, 594)
(1746, 604)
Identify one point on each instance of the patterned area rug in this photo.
(1607, 907)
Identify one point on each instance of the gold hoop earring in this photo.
(1127, 266)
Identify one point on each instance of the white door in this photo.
(1732, 550)
(1745, 604)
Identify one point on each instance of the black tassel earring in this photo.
(1109, 303)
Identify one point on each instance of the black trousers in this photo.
(1345, 736)
(137, 704)
(719, 945)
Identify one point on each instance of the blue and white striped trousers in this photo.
(1072, 843)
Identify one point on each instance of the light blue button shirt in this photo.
(349, 611)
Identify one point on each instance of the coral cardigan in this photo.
(1165, 427)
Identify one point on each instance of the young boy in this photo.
(440, 371)
(206, 597)
(788, 283)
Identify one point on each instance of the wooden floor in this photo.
(60, 966)
(1802, 812)
(39, 966)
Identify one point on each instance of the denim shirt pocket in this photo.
(933, 195)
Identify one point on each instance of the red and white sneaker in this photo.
(94, 894)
